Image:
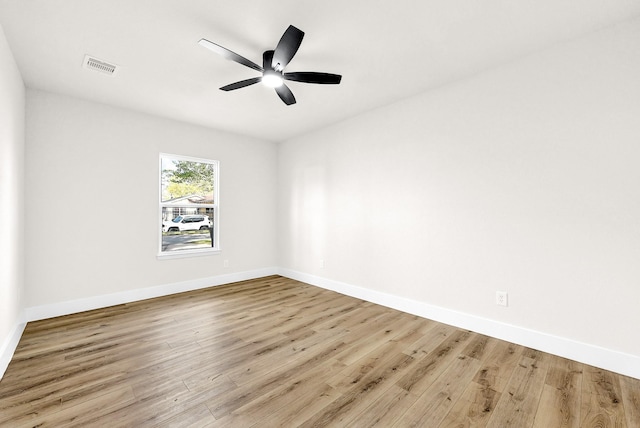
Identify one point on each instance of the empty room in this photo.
(346, 214)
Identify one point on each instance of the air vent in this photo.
(99, 65)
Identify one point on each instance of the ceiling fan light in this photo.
(272, 79)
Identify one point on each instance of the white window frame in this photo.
(215, 248)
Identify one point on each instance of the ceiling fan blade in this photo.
(241, 84)
(267, 59)
(287, 47)
(313, 77)
(286, 95)
(226, 53)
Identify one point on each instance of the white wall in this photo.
(92, 200)
(523, 179)
(12, 100)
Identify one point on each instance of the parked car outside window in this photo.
(186, 222)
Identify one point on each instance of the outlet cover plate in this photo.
(502, 298)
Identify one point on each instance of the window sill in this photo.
(187, 253)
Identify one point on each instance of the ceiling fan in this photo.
(273, 64)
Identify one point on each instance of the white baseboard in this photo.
(619, 362)
(80, 305)
(594, 355)
(8, 348)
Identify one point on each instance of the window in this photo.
(188, 206)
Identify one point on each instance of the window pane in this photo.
(193, 230)
(188, 204)
(187, 182)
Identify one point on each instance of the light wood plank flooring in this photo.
(274, 352)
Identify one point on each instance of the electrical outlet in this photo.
(501, 298)
(225, 263)
(321, 263)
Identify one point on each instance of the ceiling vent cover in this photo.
(99, 65)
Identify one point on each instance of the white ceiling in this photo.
(385, 51)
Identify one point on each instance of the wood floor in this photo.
(275, 352)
